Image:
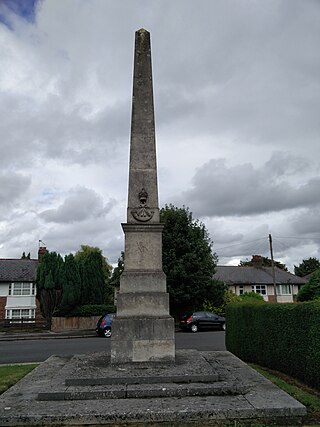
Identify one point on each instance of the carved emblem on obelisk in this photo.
(143, 212)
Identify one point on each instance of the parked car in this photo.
(103, 328)
(202, 320)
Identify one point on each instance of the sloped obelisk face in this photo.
(143, 164)
(142, 331)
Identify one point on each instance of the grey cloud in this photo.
(264, 90)
(81, 203)
(21, 232)
(243, 190)
(307, 222)
(295, 236)
(12, 186)
(238, 74)
(47, 131)
(254, 240)
(105, 233)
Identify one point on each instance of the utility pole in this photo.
(272, 266)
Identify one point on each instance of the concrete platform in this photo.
(200, 389)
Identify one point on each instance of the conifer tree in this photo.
(95, 274)
(49, 284)
(71, 280)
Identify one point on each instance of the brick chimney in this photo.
(42, 250)
(257, 261)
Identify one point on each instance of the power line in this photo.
(266, 239)
(279, 241)
(239, 244)
(298, 238)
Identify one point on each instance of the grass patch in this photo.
(11, 374)
(301, 392)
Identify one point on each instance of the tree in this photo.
(71, 295)
(266, 262)
(307, 266)
(49, 283)
(311, 290)
(117, 271)
(188, 261)
(24, 256)
(95, 274)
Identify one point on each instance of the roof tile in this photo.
(252, 275)
(18, 270)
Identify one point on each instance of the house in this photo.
(259, 279)
(18, 288)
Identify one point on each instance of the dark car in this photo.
(103, 328)
(202, 320)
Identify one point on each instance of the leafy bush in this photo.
(228, 297)
(251, 296)
(285, 337)
(208, 306)
(92, 310)
(231, 297)
(311, 290)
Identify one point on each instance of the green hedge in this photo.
(284, 337)
(90, 310)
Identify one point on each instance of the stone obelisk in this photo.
(142, 330)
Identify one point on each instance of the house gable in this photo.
(17, 288)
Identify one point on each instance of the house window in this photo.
(241, 290)
(21, 288)
(20, 313)
(284, 289)
(259, 289)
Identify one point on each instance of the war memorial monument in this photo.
(143, 330)
(144, 381)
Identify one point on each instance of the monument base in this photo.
(143, 339)
(200, 389)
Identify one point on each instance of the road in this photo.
(22, 351)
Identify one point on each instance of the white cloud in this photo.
(237, 81)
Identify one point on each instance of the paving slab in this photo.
(250, 397)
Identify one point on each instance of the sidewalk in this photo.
(43, 335)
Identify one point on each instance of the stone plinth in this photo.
(140, 339)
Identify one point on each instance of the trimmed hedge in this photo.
(284, 337)
(92, 310)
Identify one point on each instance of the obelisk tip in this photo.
(142, 30)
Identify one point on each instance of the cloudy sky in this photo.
(237, 103)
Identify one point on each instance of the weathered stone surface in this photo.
(143, 247)
(250, 397)
(142, 329)
(153, 304)
(138, 340)
(143, 164)
(143, 281)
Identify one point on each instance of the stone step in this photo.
(131, 391)
(113, 380)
